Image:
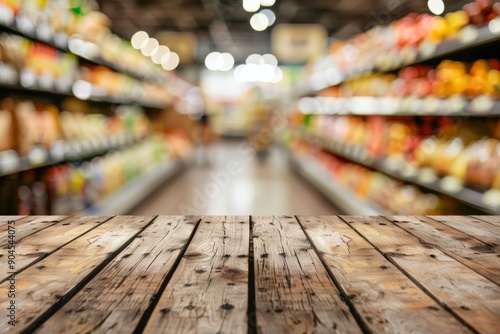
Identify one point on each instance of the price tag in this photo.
(431, 104)
(451, 184)
(61, 39)
(456, 103)
(426, 175)
(9, 162)
(44, 32)
(409, 55)
(482, 104)
(58, 151)
(491, 198)
(468, 34)
(416, 105)
(427, 49)
(38, 156)
(6, 14)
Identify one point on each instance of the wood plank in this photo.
(483, 231)
(495, 220)
(469, 295)
(294, 293)
(114, 300)
(29, 225)
(5, 219)
(481, 257)
(41, 243)
(386, 300)
(208, 292)
(53, 280)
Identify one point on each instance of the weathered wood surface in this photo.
(495, 220)
(293, 292)
(386, 300)
(115, 299)
(43, 242)
(472, 252)
(469, 295)
(29, 225)
(282, 274)
(42, 286)
(481, 230)
(208, 292)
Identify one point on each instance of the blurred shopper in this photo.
(204, 135)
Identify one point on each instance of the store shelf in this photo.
(469, 38)
(410, 106)
(343, 198)
(61, 152)
(422, 177)
(130, 195)
(62, 45)
(66, 93)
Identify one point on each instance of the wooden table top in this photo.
(229, 274)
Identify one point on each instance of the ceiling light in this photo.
(139, 39)
(172, 62)
(270, 16)
(267, 3)
(278, 75)
(270, 59)
(228, 62)
(259, 22)
(150, 47)
(251, 5)
(211, 60)
(436, 6)
(253, 59)
(157, 57)
(238, 73)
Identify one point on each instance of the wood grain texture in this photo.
(386, 300)
(481, 257)
(5, 219)
(29, 225)
(208, 292)
(495, 220)
(115, 299)
(44, 241)
(294, 293)
(63, 272)
(469, 295)
(483, 231)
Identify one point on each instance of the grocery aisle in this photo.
(256, 187)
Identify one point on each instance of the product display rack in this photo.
(134, 192)
(343, 198)
(61, 152)
(64, 47)
(469, 38)
(482, 106)
(424, 178)
(98, 99)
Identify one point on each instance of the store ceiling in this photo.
(223, 25)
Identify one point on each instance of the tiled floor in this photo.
(235, 182)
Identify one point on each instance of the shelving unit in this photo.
(403, 172)
(343, 198)
(482, 106)
(61, 152)
(469, 38)
(132, 193)
(64, 47)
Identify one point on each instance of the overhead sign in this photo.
(298, 43)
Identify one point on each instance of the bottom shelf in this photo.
(130, 195)
(343, 198)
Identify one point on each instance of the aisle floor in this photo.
(235, 182)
